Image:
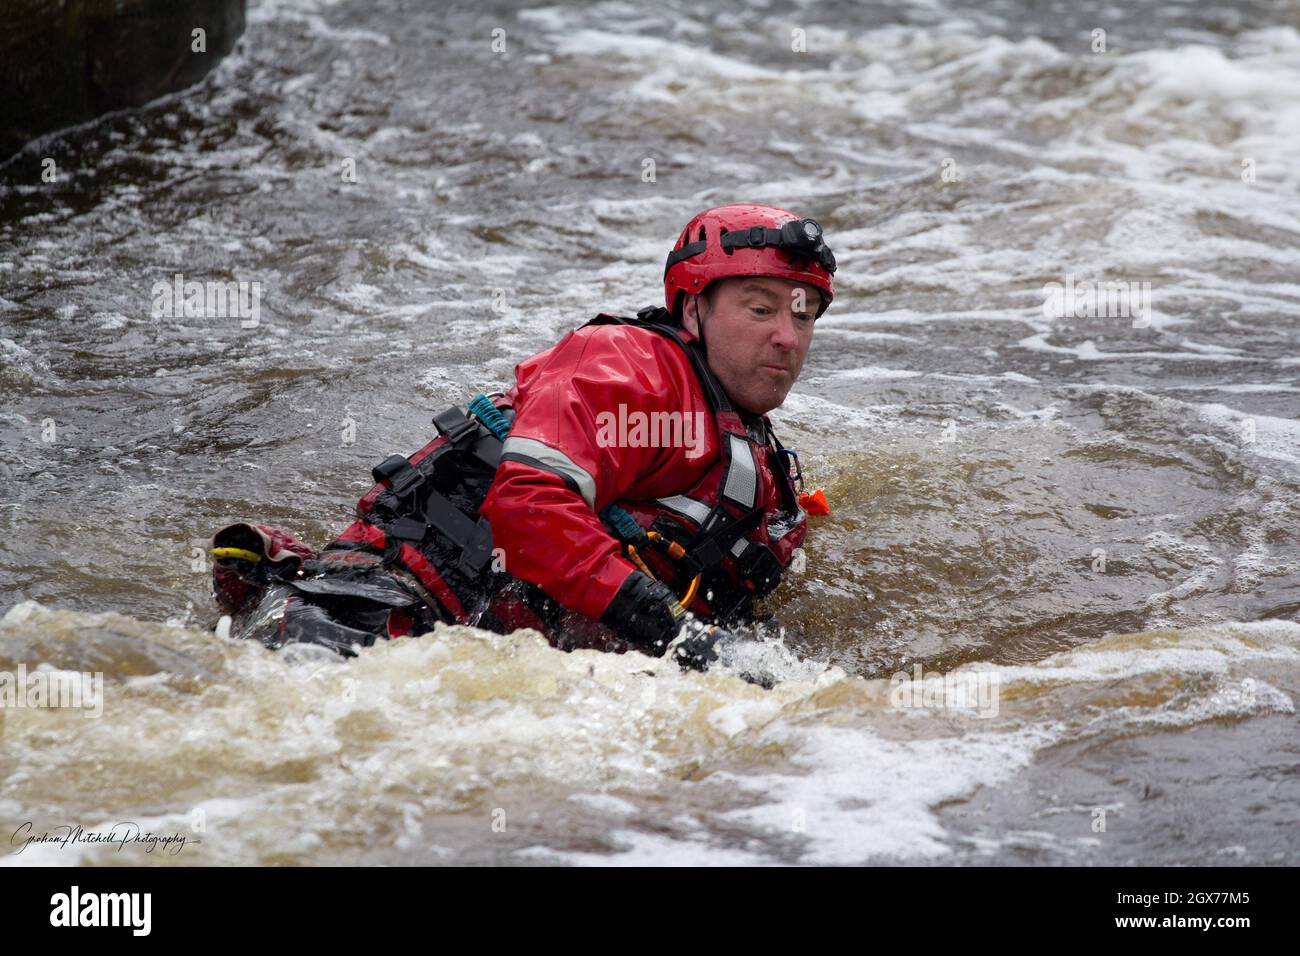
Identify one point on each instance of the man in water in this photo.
(639, 500)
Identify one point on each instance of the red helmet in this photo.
(745, 239)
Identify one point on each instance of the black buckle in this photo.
(757, 235)
(398, 472)
(455, 424)
(706, 554)
(488, 451)
(407, 529)
(759, 566)
(826, 258)
(476, 555)
(708, 546)
(443, 516)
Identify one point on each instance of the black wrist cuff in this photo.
(645, 613)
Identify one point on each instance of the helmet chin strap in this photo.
(699, 324)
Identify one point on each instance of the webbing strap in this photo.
(709, 547)
(685, 252)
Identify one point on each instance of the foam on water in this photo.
(1145, 156)
(857, 791)
(1263, 435)
(822, 769)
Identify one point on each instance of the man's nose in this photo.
(783, 336)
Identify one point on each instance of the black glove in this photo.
(645, 613)
(696, 644)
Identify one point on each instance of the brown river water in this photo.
(1091, 517)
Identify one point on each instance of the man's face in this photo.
(757, 334)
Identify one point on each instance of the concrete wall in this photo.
(63, 62)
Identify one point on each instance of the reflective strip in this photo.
(552, 459)
(739, 547)
(697, 511)
(742, 476)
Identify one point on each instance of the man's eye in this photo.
(804, 317)
(759, 309)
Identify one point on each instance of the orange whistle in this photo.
(815, 503)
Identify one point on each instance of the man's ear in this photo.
(691, 315)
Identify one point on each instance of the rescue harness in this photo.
(422, 516)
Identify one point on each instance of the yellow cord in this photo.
(685, 602)
(690, 592)
(236, 553)
(636, 559)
